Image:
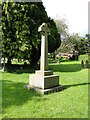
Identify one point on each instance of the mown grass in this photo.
(71, 102)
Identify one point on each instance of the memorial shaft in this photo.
(44, 52)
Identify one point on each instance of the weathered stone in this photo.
(44, 91)
(48, 72)
(43, 80)
(44, 46)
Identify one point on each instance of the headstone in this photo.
(43, 80)
(82, 63)
(86, 63)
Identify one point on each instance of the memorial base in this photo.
(44, 79)
(44, 91)
(44, 82)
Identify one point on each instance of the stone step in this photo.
(46, 73)
(50, 76)
(44, 91)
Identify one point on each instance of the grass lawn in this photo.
(71, 102)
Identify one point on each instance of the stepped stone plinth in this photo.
(43, 80)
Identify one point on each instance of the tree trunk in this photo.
(4, 64)
(53, 55)
(9, 62)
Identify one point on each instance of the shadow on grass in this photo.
(65, 67)
(16, 94)
(74, 85)
(19, 69)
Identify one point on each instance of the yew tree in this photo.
(20, 37)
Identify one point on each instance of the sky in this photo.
(74, 11)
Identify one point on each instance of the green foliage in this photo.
(54, 37)
(70, 44)
(58, 58)
(83, 57)
(83, 46)
(20, 37)
(75, 43)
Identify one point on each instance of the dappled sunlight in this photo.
(20, 69)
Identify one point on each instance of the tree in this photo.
(20, 39)
(75, 43)
(8, 32)
(62, 27)
(70, 44)
(83, 46)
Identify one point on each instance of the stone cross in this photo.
(44, 80)
(44, 46)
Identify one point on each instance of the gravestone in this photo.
(43, 80)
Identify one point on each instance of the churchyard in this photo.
(70, 102)
(56, 88)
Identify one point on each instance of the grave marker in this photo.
(43, 80)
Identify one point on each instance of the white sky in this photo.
(75, 12)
